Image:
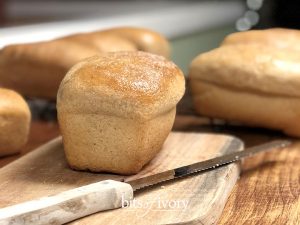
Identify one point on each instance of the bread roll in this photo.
(36, 70)
(14, 122)
(115, 110)
(252, 84)
(103, 42)
(144, 39)
(276, 37)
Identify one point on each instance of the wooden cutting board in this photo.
(197, 199)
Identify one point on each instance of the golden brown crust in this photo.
(115, 110)
(36, 70)
(249, 108)
(135, 84)
(251, 68)
(253, 78)
(14, 122)
(275, 37)
(144, 39)
(104, 42)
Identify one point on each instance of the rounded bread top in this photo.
(250, 68)
(144, 39)
(276, 37)
(51, 53)
(124, 84)
(12, 103)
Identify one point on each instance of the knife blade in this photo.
(204, 165)
(109, 194)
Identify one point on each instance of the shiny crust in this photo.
(144, 39)
(275, 37)
(126, 84)
(14, 122)
(253, 68)
(37, 69)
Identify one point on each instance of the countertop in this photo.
(268, 189)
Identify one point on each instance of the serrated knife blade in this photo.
(204, 165)
(110, 194)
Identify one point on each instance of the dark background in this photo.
(273, 13)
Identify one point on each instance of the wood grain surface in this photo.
(40, 133)
(268, 189)
(196, 199)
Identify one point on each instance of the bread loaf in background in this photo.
(103, 42)
(254, 84)
(115, 110)
(36, 69)
(125, 39)
(144, 39)
(14, 122)
(274, 37)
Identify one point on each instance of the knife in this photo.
(109, 194)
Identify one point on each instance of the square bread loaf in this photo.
(253, 84)
(115, 110)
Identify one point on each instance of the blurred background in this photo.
(192, 26)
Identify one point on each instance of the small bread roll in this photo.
(144, 39)
(276, 37)
(115, 110)
(252, 84)
(36, 70)
(14, 122)
(103, 42)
